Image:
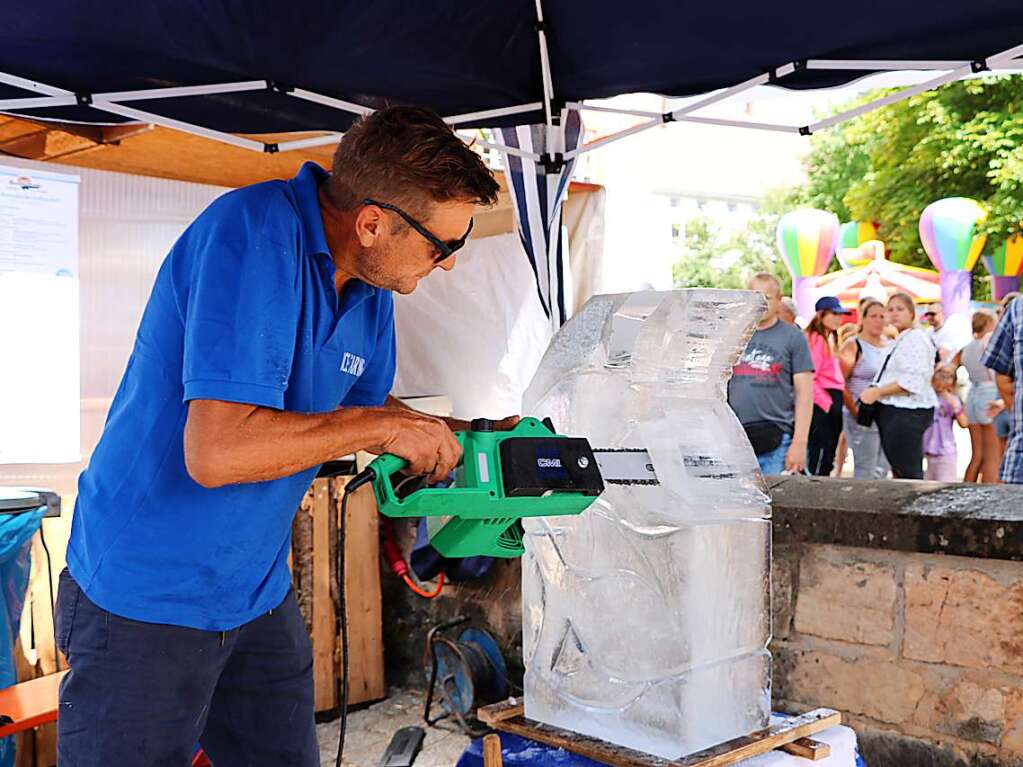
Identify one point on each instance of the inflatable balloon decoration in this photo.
(850, 236)
(1005, 265)
(948, 230)
(806, 240)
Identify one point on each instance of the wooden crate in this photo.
(791, 734)
(314, 567)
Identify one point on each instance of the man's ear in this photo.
(369, 224)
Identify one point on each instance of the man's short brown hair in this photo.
(407, 156)
(765, 278)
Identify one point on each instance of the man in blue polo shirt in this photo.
(266, 348)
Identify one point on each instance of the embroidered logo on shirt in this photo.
(352, 364)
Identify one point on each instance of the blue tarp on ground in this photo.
(459, 57)
(521, 751)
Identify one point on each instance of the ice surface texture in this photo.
(646, 618)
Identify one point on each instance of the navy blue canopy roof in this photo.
(460, 56)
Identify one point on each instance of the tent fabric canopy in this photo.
(460, 57)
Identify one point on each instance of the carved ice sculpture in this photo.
(646, 618)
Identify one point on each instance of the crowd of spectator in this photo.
(887, 388)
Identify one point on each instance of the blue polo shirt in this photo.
(243, 310)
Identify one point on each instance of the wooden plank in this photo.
(500, 712)
(775, 736)
(492, 751)
(363, 597)
(807, 748)
(324, 616)
(30, 703)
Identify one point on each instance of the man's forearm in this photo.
(804, 414)
(226, 446)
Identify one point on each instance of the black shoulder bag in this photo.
(865, 414)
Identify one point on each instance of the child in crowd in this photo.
(939, 440)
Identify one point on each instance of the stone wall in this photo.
(909, 646)
(922, 651)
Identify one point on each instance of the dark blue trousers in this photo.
(143, 694)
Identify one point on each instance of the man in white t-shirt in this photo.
(949, 334)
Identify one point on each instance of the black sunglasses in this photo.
(446, 249)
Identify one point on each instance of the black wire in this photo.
(53, 603)
(358, 481)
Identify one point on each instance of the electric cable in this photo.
(423, 593)
(360, 479)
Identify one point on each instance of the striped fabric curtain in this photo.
(538, 193)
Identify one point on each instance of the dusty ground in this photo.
(370, 730)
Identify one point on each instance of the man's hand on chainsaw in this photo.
(424, 441)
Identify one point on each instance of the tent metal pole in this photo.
(330, 101)
(306, 143)
(185, 90)
(572, 154)
(168, 122)
(545, 70)
(891, 98)
(32, 85)
(488, 113)
(882, 65)
(726, 93)
(740, 124)
(38, 102)
(581, 107)
(504, 148)
(955, 74)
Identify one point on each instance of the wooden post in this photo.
(324, 616)
(362, 594)
(492, 751)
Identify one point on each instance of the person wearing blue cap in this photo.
(828, 385)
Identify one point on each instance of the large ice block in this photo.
(646, 619)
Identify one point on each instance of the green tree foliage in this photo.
(717, 259)
(963, 139)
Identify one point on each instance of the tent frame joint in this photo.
(83, 99)
(273, 148)
(276, 87)
(552, 164)
(667, 117)
(980, 65)
(804, 130)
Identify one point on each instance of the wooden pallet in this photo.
(791, 735)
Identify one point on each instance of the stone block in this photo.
(841, 597)
(874, 688)
(783, 574)
(1012, 735)
(966, 709)
(963, 618)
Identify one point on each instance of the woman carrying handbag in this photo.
(902, 400)
(862, 357)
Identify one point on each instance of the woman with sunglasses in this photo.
(903, 392)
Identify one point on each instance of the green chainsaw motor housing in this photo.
(529, 471)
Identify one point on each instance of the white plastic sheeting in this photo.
(475, 334)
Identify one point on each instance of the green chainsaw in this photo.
(504, 476)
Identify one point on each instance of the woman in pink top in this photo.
(828, 385)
